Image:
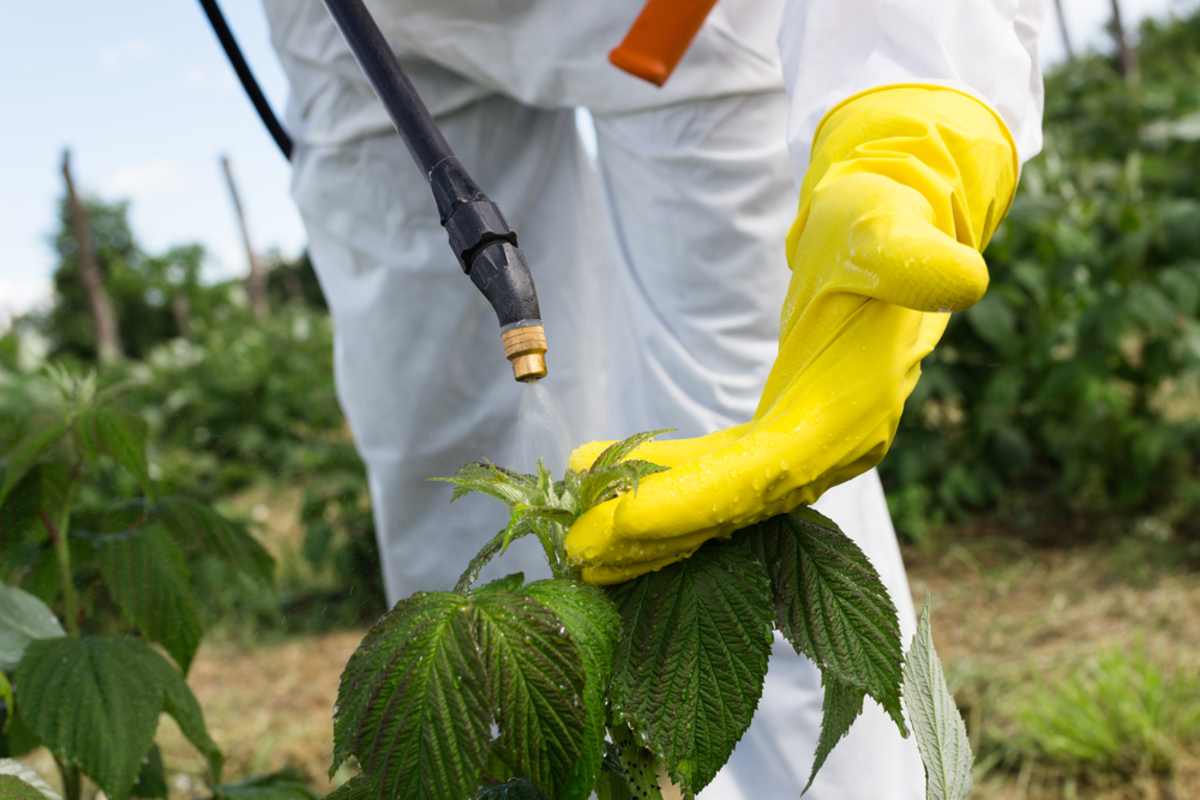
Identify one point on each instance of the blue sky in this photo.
(141, 93)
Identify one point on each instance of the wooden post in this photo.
(1128, 65)
(256, 284)
(1062, 26)
(108, 340)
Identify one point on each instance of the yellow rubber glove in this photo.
(906, 186)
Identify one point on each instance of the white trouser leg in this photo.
(420, 368)
(700, 198)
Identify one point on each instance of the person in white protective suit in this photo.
(661, 273)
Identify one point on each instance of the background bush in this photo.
(1073, 385)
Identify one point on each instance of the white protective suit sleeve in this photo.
(986, 48)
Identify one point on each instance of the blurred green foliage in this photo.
(1074, 385)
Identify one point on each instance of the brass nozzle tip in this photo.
(525, 347)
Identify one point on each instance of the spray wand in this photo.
(480, 236)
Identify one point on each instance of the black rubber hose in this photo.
(234, 54)
(474, 224)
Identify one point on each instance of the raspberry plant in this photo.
(89, 586)
(597, 690)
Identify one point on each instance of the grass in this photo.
(1075, 667)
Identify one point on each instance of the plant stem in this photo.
(72, 780)
(59, 534)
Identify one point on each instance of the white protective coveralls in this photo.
(661, 273)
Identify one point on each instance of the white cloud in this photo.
(139, 180)
(116, 54)
(204, 78)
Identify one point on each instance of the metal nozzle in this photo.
(525, 347)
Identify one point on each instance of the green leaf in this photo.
(503, 484)
(613, 786)
(831, 604)
(635, 766)
(288, 783)
(617, 451)
(23, 619)
(17, 740)
(843, 703)
(7, 705)
(592, 622)
(414, 704)
(26, 454)
(193, 523)
(42, 490)
(481, 559)
(94, 702)
(516, 789)
(146, 577)
(151, 780)
(536, 683)
(181, 704)
(941, 734)
(19, 782)
(692, 656)
(357, 788)
(121, 436)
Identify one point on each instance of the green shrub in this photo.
(1077, 377)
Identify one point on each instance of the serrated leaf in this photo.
(941, 733)
(842, 705)
(179, 703)
(695, 640)
(151, 780)
(121, 436)
(94, 701)
(288, 783)
(413, 703)
(830, 603)
(592, 622)
(635, 765)
(505, 485)
(515, 789)
(30, 781)
(26, 454)
(194, 523)
(146, 577)
(357, 788)
(617, 451)
(481, 559)
(536, 684)
(23, 619)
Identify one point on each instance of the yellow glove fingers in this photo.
(664, 453)
(591, 543)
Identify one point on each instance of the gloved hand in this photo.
(905, 188)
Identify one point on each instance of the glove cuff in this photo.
(952, 148)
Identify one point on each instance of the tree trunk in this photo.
(181, 307)
(1062, 26)
(108, 341)
(1128, 63)
(256, 284)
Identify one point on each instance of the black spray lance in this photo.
(481, 238)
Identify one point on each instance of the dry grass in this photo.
(1007, 618)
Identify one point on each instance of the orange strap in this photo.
(659, 37)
